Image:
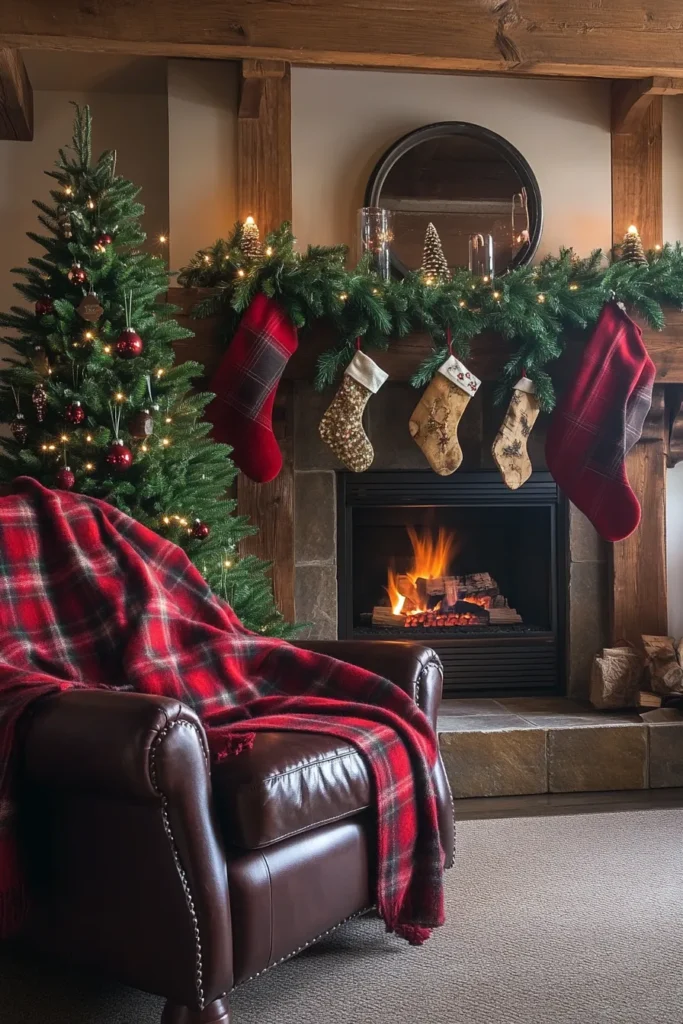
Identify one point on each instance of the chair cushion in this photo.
(289, 782)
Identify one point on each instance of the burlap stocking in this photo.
(342, 425)
(510, 446)
(434, 423)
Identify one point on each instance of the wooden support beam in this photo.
(264, 145)
(16, 98)
(637, 177)
(632, 99)
(254, 76)
(609, 39)
(639, 603)
(639, 562)
(264, 176)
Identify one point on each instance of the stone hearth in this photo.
(386, 423)
(527, 745)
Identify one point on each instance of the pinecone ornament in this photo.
(19, 428)
(39, 399)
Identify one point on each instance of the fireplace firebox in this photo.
(464, 564)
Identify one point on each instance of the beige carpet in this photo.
(562, 920)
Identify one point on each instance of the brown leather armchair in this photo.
(185, 883)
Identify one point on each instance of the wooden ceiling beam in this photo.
(631, 100)
(16, 98)
(610, 39)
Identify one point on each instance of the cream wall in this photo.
(134, 125)
(202, 144)
(342, 122)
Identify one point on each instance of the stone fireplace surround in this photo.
(386, 423)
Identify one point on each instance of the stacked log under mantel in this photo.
(472, 600)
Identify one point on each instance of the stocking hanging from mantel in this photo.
(434, 422)
(245, 385)
(510, 446)
(342, 425)
(599, 419)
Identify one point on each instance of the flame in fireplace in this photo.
(432, 556)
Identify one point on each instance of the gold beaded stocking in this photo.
(434, 422)
(342, 425)
(510, 446)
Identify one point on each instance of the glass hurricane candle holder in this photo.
(376, 236)
(481, 255)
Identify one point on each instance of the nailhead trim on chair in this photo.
(288, 956)
(199, 965)
(425, 668)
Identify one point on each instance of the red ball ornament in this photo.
(65, 478)
(200, 530)
(44, 306)
(77, 274)
(129, 344)
(103, 241)
(75, 413)
(119, 457)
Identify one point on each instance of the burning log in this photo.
(407, 589)
(383, 616)
(504, 616)
(480, 584)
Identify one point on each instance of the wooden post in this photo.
(639, 603)
(16, 98)
(264, 143)
(264, 177)
(639, 562)
(637, 160)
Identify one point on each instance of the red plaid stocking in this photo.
(245, 384)
(597, 422)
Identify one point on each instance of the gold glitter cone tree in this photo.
(434, 263)
(632, 247)
(250, 242)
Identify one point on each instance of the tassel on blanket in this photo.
(232, 745)
(413, 933)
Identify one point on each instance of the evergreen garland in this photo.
(532, 306)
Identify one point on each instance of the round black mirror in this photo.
(474, 187)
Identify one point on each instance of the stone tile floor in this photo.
(529, 745)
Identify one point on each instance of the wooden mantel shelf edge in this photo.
(488, 352)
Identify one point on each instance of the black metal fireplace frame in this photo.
(516, 664)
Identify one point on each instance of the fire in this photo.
(432, 557)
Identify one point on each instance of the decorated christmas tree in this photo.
(94, 401)
(434, 263)
(632, 247)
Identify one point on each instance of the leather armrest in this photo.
(130, 872)
(101, 741)
(416, 669)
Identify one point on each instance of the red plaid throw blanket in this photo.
(93, 599)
